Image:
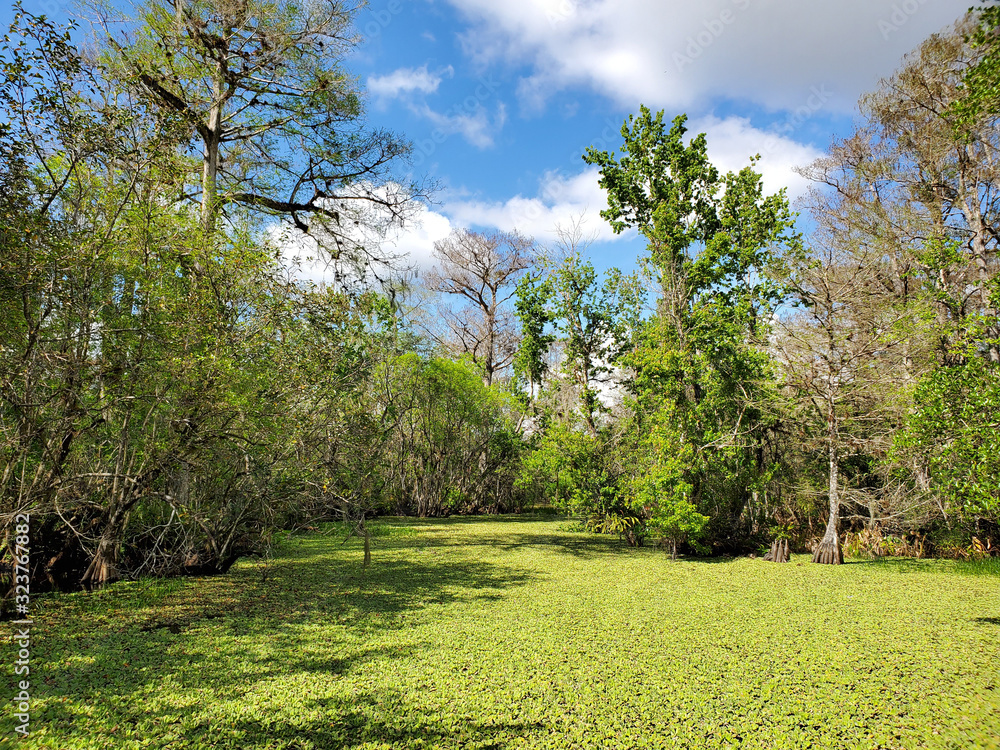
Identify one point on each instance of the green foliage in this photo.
(513, 633)
(454, 446)
(982, 80)
(661, 488)
(565, 469)
(164, 389)
(260, 89)
(954, 430)
(531, 308)
(596, 322)
(717, 247)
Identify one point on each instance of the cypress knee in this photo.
(780, 551)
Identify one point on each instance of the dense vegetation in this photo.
(517, 632)
(171, 398)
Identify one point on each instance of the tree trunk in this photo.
(829, 550)
(980, 252)
(103, 567)
(780, 551)
(210, 167)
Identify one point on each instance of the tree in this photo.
(531, 308)
(661, 491)
(716, 244)
(954, 430)
(156, 382)
(838, 355)
(456, 445)
(911, 200)
(482, 272)
(982, 79)
(259, 89)
(595, 321)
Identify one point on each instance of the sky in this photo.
(502, 97)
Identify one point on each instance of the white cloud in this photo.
(469, 118)
(301, 256)
(474, 124)
(560, 202)
(411, 245)
(415, 241)
(732, 141)
(677, 54)
(563, 199)
(407, 80)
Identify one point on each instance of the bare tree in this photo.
(910, 182)
(911, 204)
(838, 355)
(479, 273)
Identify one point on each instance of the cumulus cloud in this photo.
(415, 241)
(407, 80)
(677, 54)
(560, 201)
(733, 140)
(469, 119)
(475, 124)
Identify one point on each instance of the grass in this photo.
(517, 632)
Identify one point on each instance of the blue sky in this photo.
(501, 97)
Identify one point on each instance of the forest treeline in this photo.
(172, 397)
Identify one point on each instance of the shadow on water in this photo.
(901, 564)
(380, 718)
(235, 634)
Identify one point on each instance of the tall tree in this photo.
(479, 274)
(595, 322)
(531, 307)
(836, 357)
(913, 196)
(156, 383)
(714, 245)
(258, 88)
(982, 80)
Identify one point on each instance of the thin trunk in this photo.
(829, 550)
(210, 169)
